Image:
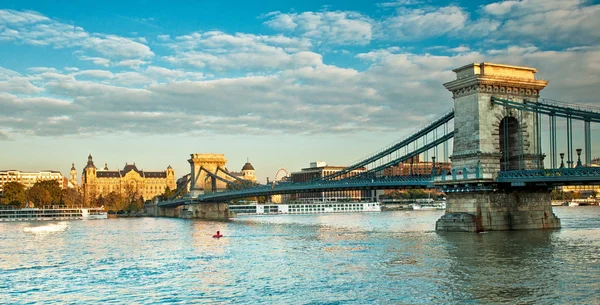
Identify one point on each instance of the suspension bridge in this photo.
(498, 180)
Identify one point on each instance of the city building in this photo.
(28, 179)
(321, 169)
(147, 184)
(73, 177)
(247, 172)
(416, 167)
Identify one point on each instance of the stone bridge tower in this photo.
(489, 134)
(200, 181)
(489, 138)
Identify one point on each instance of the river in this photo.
(356, 258)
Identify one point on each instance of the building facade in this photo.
(28, 179)
(96, 182)
(321, 169)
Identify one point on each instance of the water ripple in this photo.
(371, 258)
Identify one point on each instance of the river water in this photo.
(368, 258)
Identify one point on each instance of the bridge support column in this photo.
(498, 211)
(210, 211)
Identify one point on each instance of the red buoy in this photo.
(218, 235)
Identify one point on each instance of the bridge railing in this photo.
(342, 183)
(550, 174)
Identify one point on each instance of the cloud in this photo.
(552, 22)
(131, 63)
(337, 28)
(309, 99)
(3, 136)
(35, 29)
(16, 17)
(97, 60)
(410, 24)
(398, 3)
(238, 83)
(20, 85)
(222, 52)
(95, 74)
(282, 22)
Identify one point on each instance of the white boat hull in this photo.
(306, 208)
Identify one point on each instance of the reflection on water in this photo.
(369, 258)
(45, 227)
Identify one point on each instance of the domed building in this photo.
(247, 172)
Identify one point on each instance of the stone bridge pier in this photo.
(209, 211)
(490, 138)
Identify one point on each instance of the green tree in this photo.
(168, 193)
(136, 205)
(114, 202)
(53, 189)
(72, 197)
(38, 195)
(14, 192)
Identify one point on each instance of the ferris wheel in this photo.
(281, 173)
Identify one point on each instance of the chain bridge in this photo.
(498, 179)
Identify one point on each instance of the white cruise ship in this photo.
(305, 208)
(51, 213)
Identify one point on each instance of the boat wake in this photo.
(56, 227)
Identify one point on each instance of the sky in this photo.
(278, 83)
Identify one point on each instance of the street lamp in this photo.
(562, 160)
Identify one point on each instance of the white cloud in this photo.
(410, 24)
(398, 3)
(131, 63)
(16, 17)
(551, 22)
(115, 46)
(95, 74)
(282, 22)
(7, 73)
(20, 85)
(35, 29)
(97, 60)
(219, 51)
(341, 28)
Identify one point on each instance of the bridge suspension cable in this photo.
(408, 156)
(394, 148)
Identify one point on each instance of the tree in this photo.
(114, 202)
(72, 197)
(168, 193)
(52, 188)
(39, 195)
(137, 204)
(14, 192)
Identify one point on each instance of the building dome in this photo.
(90, 163)
(248, 167)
